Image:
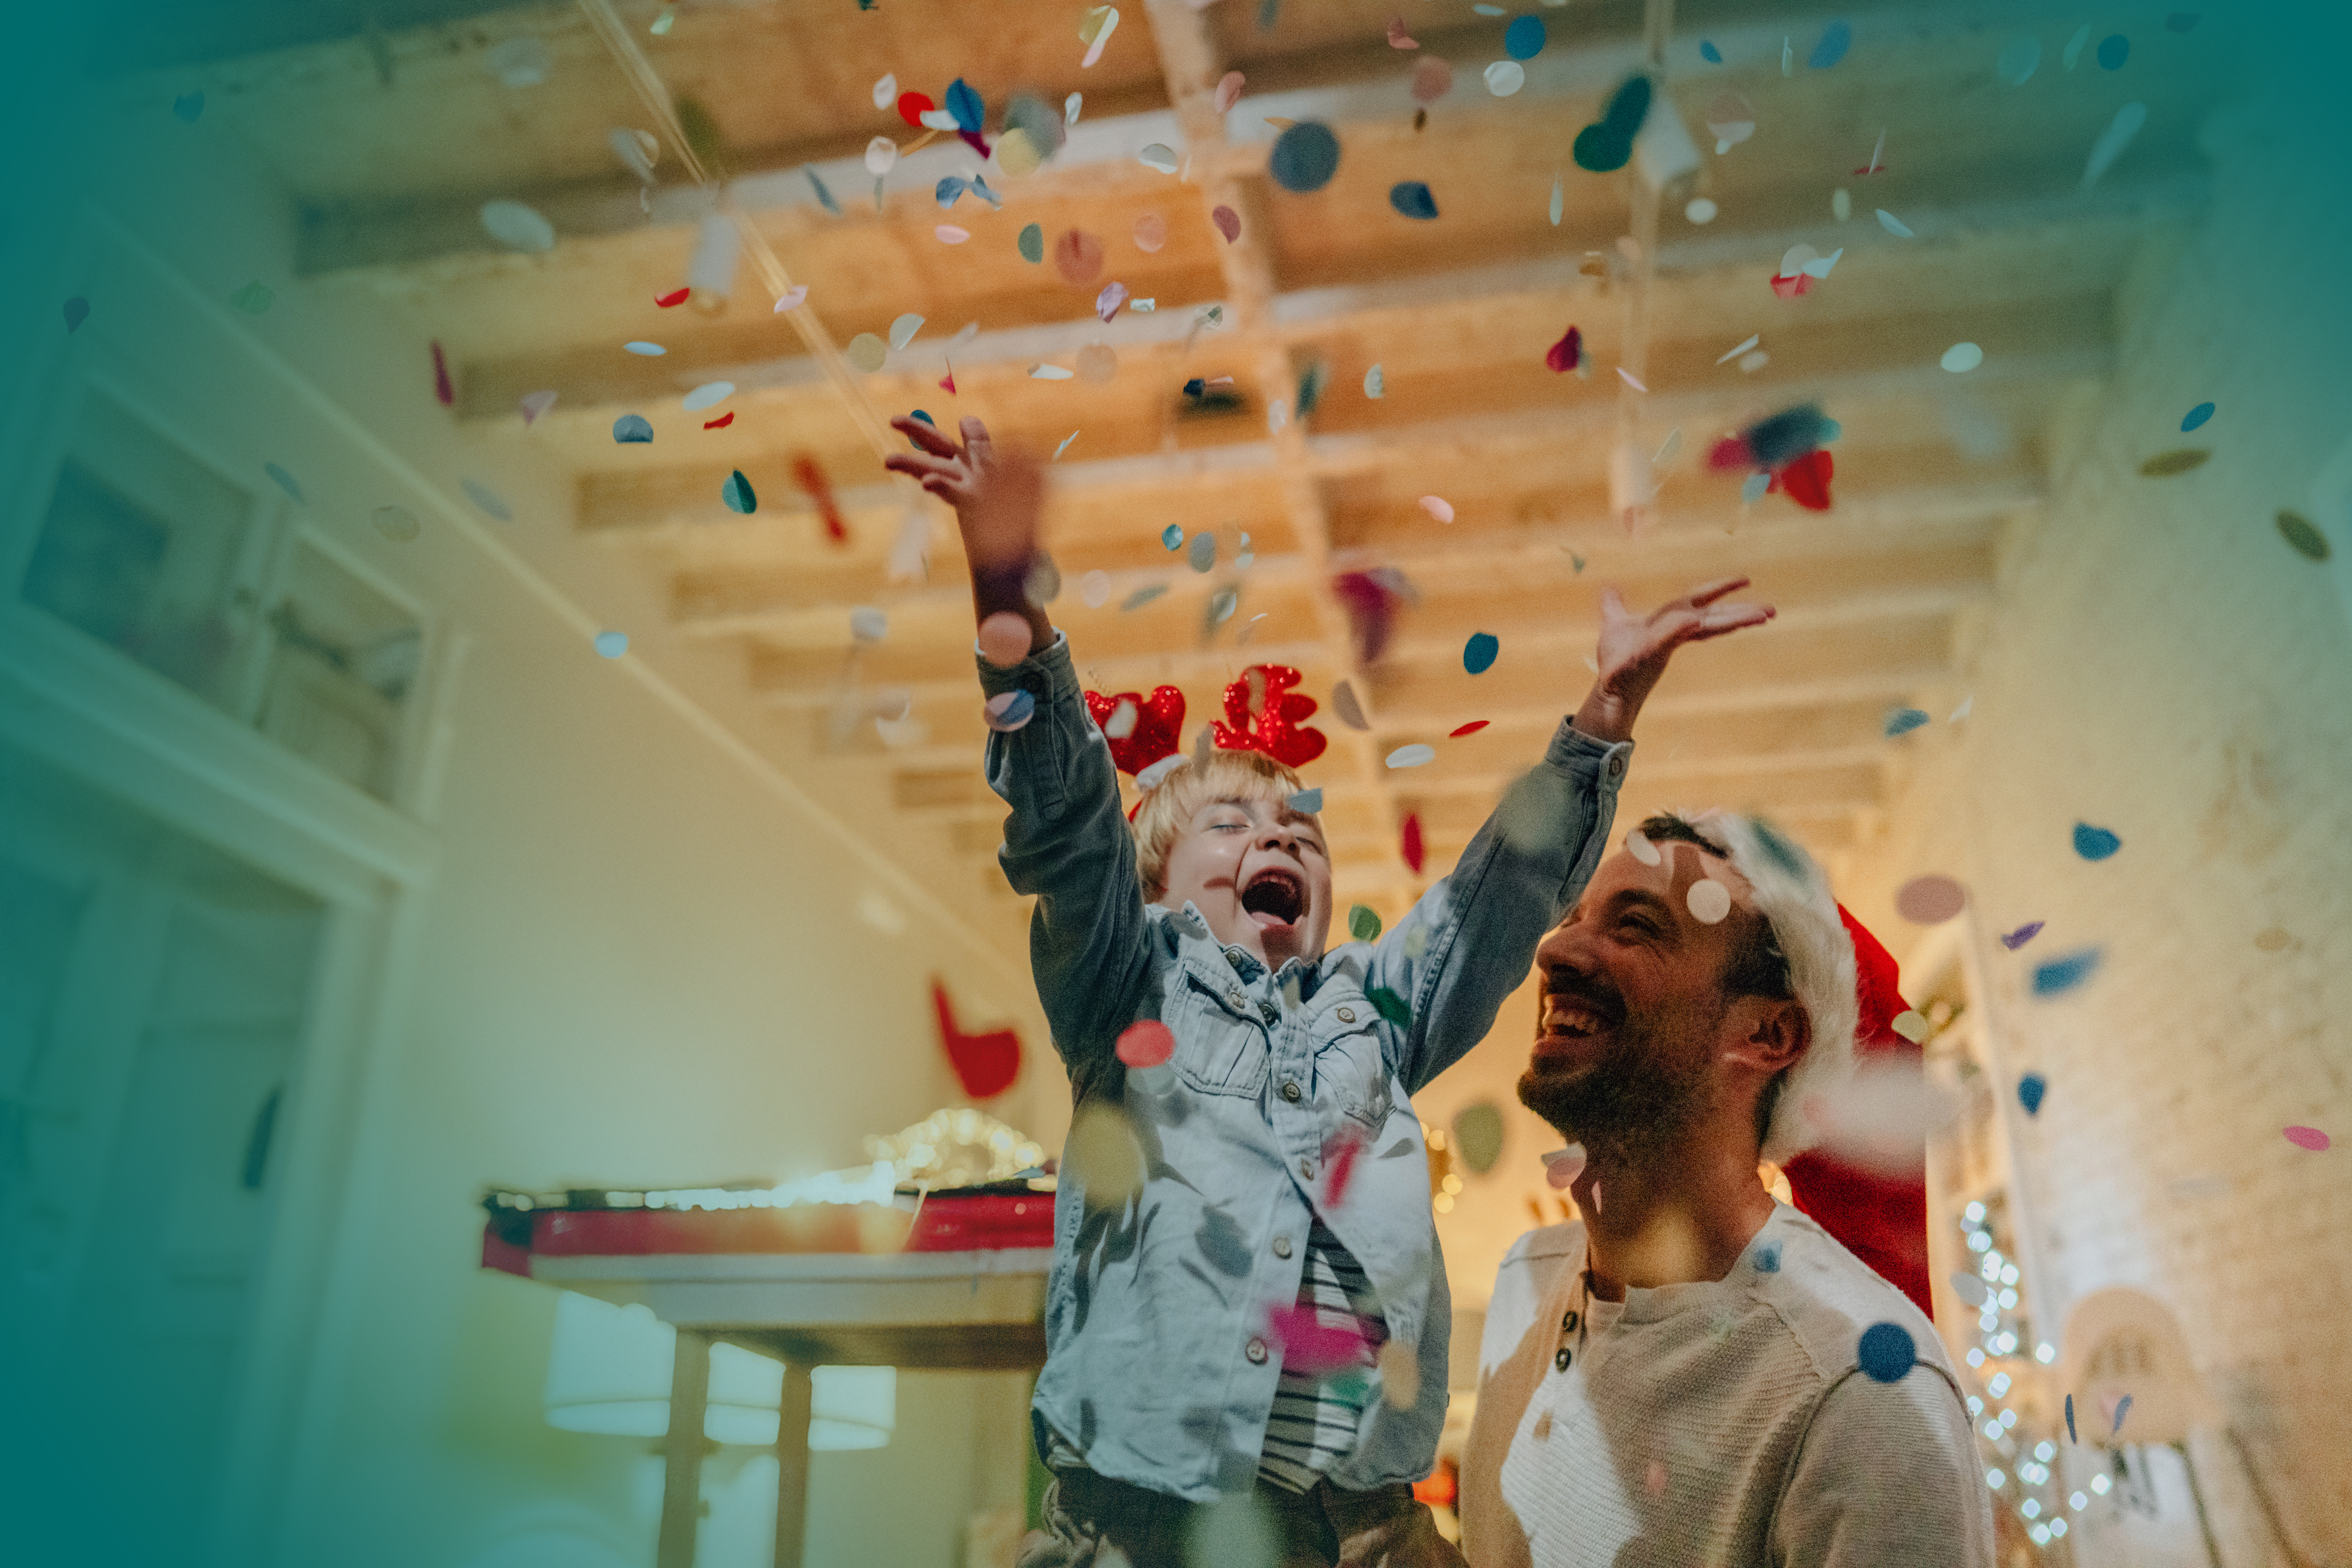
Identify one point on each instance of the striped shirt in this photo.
(1315, 1415)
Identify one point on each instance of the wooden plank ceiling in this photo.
(2010, 250)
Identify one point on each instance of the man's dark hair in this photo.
(1757, 966)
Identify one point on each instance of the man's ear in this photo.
(1775, 1036)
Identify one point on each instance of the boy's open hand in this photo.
(997, 496)
(1635, 649)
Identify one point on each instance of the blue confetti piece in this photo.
(1033, 244)
(283, 481)
(2070, 1420)
(2122, 1408)
(1524, 39)
(2022, 935)
(482, 496)
(188, 107)
(1903, 721)
(1836, 39)
(1752, 488)
(2197, 416)
(1413, 198)
(2061, 975)
(1478, 654)
(946, 192)
(633, 430)
(612, 645)
(1767, 1257)
(1886, 1352)
(2029, 1091)
(1143, 595)
(1709, 53)
(737, 493)
(2114, 50)
(965, 105)
(823, 196)
(2095, 843)
(1009, 710)
(1309, 801)
(1173, 536)
(1305, 157)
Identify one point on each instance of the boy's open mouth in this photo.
(1276, 898)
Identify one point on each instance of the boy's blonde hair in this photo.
(1170, 804)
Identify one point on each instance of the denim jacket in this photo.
(1161, 1369)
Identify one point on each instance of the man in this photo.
(1696, 1376)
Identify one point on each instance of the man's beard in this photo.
(1630, 1106)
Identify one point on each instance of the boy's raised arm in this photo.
(1478, 926)
(1065, 840)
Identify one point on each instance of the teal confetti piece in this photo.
(823, 196)
(1389, 1005)
(1033, 244)
(2061, 975)
(1480, 653)
(2095, 843)
(736, 492)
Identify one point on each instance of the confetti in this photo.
(2074, 45)
(1389, 1005)
(1146, 1043)
(1562, 1166)
(713, 391)
(1752, 489)
(492, 504)
(1607, 145)
(1631, 379)
(1929, 901)
(869, 625)
(1005, 640)
(1438, 507)
(2022, 935)
(2310, 1138)
(633, 430)
(2165, 465)
(1202, 555)
(2061, 975)
(948, 233)
(645, 350)
(1143, 597)
(1010, 710)
(1414, 199)
(1971, 1290)
(516, 226)
(1397, 37)
(1505, 78)
(612, 645)
(1836, 39)
(675, 298)
(1472, 728)
(1732, 120)
(1962, 711)
(1308, 801)
(1894, 225)
(2196, 417)
(1363, 923)
(1903, 721)
(255, 297)
(1962, 357)
(1410, 843)
(737, 493)
(396, 523)
(1412, 756)
(1173, 536)
(188, 107)
(2095, 843)
(1709, 53)
(283, 481)
(1767, 1257)
(1305, 157)
(2114, 50)
(2019, 59)
(2303, 535)
(1345, 704)
(535, 404)
(76, 311)
(1642, 849)
(2113, 141)
(2070, 1398)
(1065, 445)
(866, 352)
(1886, 1352)
(1078, 258)
(1478, 654)
(1374, 383)
(1709, 902)
(1095, 32)
(1567, 353)
(1739, 348)
(1842, 204)
(791, 299)
(2122, 1408)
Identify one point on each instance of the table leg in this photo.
(689, 1392)
(793, 1466)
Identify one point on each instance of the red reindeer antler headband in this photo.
(1262, 713)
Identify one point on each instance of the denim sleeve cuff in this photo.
(1573, 751)
(1045, 674)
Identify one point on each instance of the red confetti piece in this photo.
(1228, 222)
(446, 393)
(1807, 481)
(1866, 169)
(721, 423)
(947, 382)
(1472, 728)
(1731, 452)
(1146, 1043)
(1309, 1346)
(674, 297)
(1339, 1166)
(912, 107)
(1789, 287)
(985, 1064)
(1414, 852)
(2310, 1138)
(812, 480)
(1564, 355)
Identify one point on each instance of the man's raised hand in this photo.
(1633, 649)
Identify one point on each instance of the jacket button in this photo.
(1347, 1015)
(1292, 1092)
(1282, 1247)
(1255, 1351)
(1268, 1011)
(1560, 1361)
(1240, 1002)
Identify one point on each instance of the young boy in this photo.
(1246, 1289)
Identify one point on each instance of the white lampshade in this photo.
(609, 1372)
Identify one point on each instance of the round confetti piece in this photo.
(2303, 535)
(2181, 460)
(1562, 1166)
(881, 156)
(1731, 119)
(869, 625)
(1709, 53)
(737, 495)
(1709, 902)
(645, 350)
(1146, 1043)
(1478, 1135)
(902, 332)
(1962, 357)
(535, 404)
(633, 430)
(1912, 1024)
(866, 352)
(1472, 728)
(711, 391)
(612, 645)
(2196, 417)
(1432, 79)
(1700, 210)
(2018, 58)
(886, 91)
(1203, 553)
(1033, 244)
(2114, 50)
(1756, 360)
(1010, 710)
(1364, 923)
(1375, 384)
(2095, 843)
(1078, 258)
(1005, 640)
(1887, 1351)
(1150, 233)
(2031, 1089)
(1400, 1369)
(1524, 39)
(1173, 536)
(1414, 199)
(1309, 801)
(1929, 901)
(1094, 590)
(2061, 975)
(1505, 78)
(1097, 363)
(514, 225)
(1642, 849)
(1752, 489)
(1478, 654)
(1229, 91)
(1438, 507)
(77, 311)
(1841, 204)
(396, 523)
(1767, 1257)
(1016, 152)
(2310, 1138)
(913, 106)
(1412, 756)
(492, 504)
(1305, 157)
(1971, 1290)
(1836, 39)
(948, 233)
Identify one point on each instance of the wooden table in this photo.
(946, 1311)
